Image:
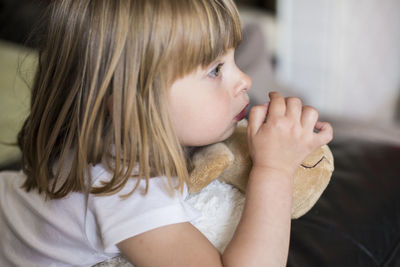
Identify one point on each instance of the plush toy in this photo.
(230, 162)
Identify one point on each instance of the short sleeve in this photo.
(121, 218)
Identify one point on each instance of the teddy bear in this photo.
(229, 161)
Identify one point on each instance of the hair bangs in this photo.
(205, 30)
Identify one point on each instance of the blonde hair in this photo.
(131, 50)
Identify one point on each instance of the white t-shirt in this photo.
(77, 230)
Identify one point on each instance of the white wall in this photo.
(343, 56)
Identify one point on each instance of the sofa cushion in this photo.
(17, 66)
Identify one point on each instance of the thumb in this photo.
(257, 117)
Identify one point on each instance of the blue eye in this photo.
(215, 72)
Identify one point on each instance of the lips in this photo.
(242, 114)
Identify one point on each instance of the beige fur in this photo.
(230, 162)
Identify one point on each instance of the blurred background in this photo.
(340, 56)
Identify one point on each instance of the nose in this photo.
(243, 83)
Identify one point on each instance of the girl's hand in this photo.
(287, 136)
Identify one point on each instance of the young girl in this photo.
(123, 87)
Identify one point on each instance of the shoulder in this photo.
(10, 184)
(156, 186)
(121, 217)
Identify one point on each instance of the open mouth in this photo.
(242, 114)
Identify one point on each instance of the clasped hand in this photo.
(282, 133)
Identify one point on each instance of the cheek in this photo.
(206, 124)
(214, 110)
(202, 112)
(210, 107)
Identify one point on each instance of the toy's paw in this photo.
(311, 179)
(209, 162)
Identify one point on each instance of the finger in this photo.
(293, 108)
(325, 132)
(256, 118)
(277, 105)
(309, 117)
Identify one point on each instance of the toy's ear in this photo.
(208, 163)
(311, 179)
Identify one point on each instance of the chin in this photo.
(208, 140)
(228, 133)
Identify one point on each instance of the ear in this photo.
(208, 163)
(311, 179)
(238, 173)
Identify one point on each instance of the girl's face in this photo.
(206, 105)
